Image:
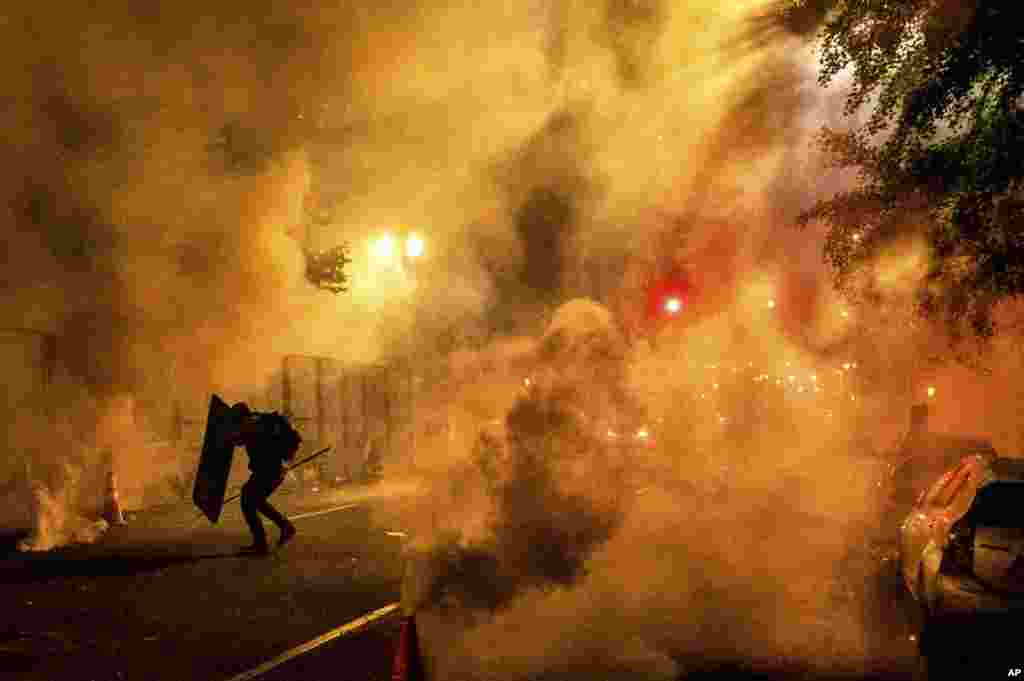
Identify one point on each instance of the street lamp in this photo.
(414, 246)
(384, 248)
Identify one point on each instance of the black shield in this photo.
(215, 461)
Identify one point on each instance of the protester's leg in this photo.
(252, 500)
(275, 516)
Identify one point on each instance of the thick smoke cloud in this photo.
(169, 165)
(735, 538)
(743, 536)
(156, 209)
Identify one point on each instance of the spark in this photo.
(931, 391)
(771, 304)
(673, 305)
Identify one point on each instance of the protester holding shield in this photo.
(270, 442)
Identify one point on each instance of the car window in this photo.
(998, 504)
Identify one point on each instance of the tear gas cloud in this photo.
(174, 162)
(580, 555)
(743, 539)
(156, 216)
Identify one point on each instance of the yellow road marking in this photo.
(302, 648)
(312, 514)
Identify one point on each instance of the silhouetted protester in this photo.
(270, 441)
(918, 430)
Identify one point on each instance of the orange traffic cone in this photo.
(408, 666)
(113, 513)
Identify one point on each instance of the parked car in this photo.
(917, 466)
(962, 555)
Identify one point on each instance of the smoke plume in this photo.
(171, 165)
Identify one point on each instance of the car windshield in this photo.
(1000, 504)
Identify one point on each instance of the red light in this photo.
(667, 298)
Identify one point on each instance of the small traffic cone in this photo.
(113, 513)
(408, 665)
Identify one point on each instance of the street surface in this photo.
(159, 600)
(167, 598)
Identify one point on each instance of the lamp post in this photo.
(398, 253)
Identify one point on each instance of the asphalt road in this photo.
(164, 598)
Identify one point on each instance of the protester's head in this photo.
(241, 416)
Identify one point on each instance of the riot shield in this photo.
(215, 460)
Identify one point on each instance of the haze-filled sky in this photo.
(165, 158)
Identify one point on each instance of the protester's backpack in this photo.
(284, 436)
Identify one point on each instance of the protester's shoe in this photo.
(287, 533)
(256, 550)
